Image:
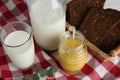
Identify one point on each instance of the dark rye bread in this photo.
(95, 3)
(102, 28)
(78, 9)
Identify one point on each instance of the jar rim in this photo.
(78, 35)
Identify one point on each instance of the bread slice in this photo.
(78, 9)
(102, 28)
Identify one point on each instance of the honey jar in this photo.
(72, 52)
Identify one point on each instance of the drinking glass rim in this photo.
(2, 41)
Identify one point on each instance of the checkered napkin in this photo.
(94, 69)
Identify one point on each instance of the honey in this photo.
(72, 52)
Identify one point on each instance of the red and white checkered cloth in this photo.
(95, 69)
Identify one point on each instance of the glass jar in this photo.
(72, 52)
(48, 22)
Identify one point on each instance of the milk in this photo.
(22, 54)
(48, 22)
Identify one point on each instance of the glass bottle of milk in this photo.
(48, 22)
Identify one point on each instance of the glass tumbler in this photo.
(17, 41)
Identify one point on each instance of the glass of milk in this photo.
(17, 41)
(48, 22)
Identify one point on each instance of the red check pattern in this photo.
(95, 69)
